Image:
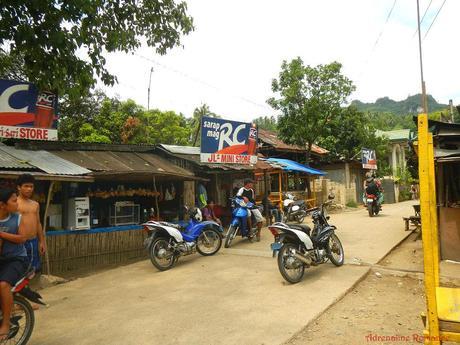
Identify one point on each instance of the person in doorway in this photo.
(14, 261)
(30, 212)
(208, 213)
(273, 210)
(247, 193)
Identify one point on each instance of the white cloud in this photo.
(238, 47)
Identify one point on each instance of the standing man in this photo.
(247, 193)
(30, 213)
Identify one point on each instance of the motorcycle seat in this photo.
(304, 228)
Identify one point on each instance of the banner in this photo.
(369, 159)
(229, 142)
(26, 113)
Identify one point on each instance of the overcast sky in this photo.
(237, 48)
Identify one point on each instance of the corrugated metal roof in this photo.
(271, 138)
(123, 162)
(45, 161)
(192, 154)
(9, 162)
(185, 150)
(395, 135)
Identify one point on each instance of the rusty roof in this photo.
(192, 154)
(271, 138)
(123, 162)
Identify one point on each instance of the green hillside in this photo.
(405, 107)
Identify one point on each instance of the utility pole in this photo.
(451, 108)
(424, 100)
(148, 91)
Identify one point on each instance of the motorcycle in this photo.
(298, 246)
(239, 221)
(372, 204)
(166, 242)
(22, 317)
(293, 210)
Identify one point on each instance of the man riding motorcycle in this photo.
(374, 187)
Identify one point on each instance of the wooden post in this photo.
(45, 224)
(280, 189)
(156, 198)
(266, 210)
(430, 242)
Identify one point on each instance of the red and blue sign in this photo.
(229, 142)
(26, 113)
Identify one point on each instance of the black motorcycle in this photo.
(298, 246)
(294, 210)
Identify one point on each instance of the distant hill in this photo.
(405, 107)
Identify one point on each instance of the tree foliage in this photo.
(62, 43)
(124, 122)
(309, 98)
(349, 132)
(267, 122)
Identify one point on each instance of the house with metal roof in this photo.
(399, 145)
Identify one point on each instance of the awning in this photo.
(288, 165)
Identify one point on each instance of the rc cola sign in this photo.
(369, 159)
(229, 142)
(26, 113)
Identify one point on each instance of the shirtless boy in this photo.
(30, 212)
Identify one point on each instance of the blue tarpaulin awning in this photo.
(288, 165)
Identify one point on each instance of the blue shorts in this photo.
(33, 253)
(13, 269)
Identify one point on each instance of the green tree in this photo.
(349, 132)
(309, 98)
(195, 121)
(267, 122)
(62, 43)
(87, 134)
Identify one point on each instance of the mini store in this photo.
(98, 223)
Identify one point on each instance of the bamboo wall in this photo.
(77, 251)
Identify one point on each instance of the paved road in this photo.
(235, 297)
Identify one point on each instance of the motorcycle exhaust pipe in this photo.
(306, 260)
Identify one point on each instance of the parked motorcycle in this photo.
(298, 246)
(293, 210)
(239, 222)
(22, 317)
(166, 242)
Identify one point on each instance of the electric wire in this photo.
(434, 19)
(423, 17)
(199, 81)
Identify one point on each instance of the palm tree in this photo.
(198, 114)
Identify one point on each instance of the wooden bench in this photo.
(414, 220)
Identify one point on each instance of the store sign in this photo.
(369, 159)
(229, 142)
(26, 113)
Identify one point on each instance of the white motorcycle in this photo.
(293, 210)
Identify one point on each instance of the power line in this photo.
(434, 19)
(423, 17)
(383, 28)
(366, 62)
(199, 81)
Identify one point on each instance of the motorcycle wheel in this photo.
(231, 234)
(334, 251)
(370, 209)
(292, 275)
(22, 322)
(209, 242)
(159, 259)
(376, 209)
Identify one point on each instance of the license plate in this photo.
(276, 246)
(370, 200)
